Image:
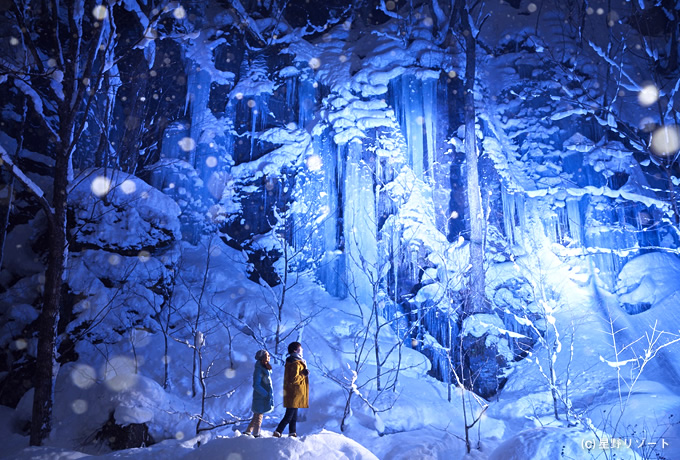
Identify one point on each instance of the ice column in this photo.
(198, 93)
(574, 220)
(415, 104)
(307, 93)
(513, 216)
(331, 271)
(360, 225)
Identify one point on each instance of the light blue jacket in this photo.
(263, 391)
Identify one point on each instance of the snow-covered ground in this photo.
(417, 420)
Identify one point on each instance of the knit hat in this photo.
(260, 354)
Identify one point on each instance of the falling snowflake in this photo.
(79, 406)
(120, 373)
(187, 144)
(179, 12)
(314, 162)
(83, 376)
(648, 95)
(100, 12)
(128, 187)
(100, 186)
(314, 63)
(666, 141)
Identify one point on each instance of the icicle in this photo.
(415, 126)
(253, 132)
(306, 101)
(574, 220)
(508, 201)
(198, 93)
(551, 225)
(429, 102)
(520, 218)
(291, 89)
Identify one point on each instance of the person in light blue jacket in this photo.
(263, 392)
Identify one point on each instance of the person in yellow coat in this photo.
(295, 389)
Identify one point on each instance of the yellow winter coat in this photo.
(295, 384)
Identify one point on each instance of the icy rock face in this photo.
(567, 165)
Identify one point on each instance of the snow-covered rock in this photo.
(120, 212)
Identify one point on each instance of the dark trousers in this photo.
(290, 419)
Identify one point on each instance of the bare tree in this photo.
(61, 70)
(630, 357)
(289, 238)
(470, 31)
(473, 406)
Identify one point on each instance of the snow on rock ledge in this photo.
(652, 278)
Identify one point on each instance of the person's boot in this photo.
(292, 435)
(277, 434)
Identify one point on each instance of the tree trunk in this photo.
(45, 364)
(4, 218)
(348, 409)
(284, 288)
(477, 281)
(673, 48)
(376, 346)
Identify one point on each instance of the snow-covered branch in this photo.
(18, 174)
